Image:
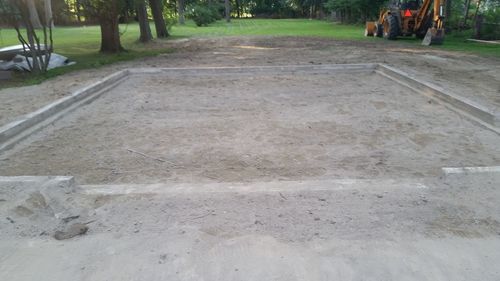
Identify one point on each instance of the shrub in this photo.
(217, 10)
(491, 25)
(204, 15)
(170, 18)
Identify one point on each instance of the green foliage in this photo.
(99, 9)
(217, 10)
(169, 13)
(81, 44)
(355, 11)
(203, 15)
(491, 26)
(9, 13)
(273, 9)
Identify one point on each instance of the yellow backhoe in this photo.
(408, 18)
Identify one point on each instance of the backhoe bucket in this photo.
(370, 28)
(434, 36)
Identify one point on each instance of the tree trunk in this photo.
(78, 9)
(466, 13)
(60, 12)
(34, 18)
(142, 15)
(238, 7)
(478, 19)
(447, 16)
(227, 5)
(35, 63)
(110, 35)
(161, 26)
(182, 19)
(49, 18)
(477, 10)
(478, 26)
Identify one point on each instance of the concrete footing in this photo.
(49, 192)
(372, 185)
(470, 170)
(464, 106)
(16, 131)
(285, 69)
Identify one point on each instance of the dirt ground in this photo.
(324, 230)
(244, 128)
(468, 75)
(309, 177)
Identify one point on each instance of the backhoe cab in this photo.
(406, 18)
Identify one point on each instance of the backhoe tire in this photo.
(391, 27)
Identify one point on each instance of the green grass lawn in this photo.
(81, 44)
(281, 27)
(304, 27)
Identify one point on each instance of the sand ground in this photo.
(257, 177)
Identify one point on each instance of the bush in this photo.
(170, 18)
(217, 10)
(491, 26)
(204, 15)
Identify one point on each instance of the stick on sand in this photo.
(147, 156)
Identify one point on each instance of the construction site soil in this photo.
(250, 127)
(252, 176)
(471, 76)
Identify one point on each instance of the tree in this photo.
(157, 11)
(48, 12)
(467, 9)
(355, 11)
(447, 17)
(238, 8)
(36, 49)
(106, 12)
(60, 12)
(227, 6)
(181, 10)
(33, 13)
(142, 16)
